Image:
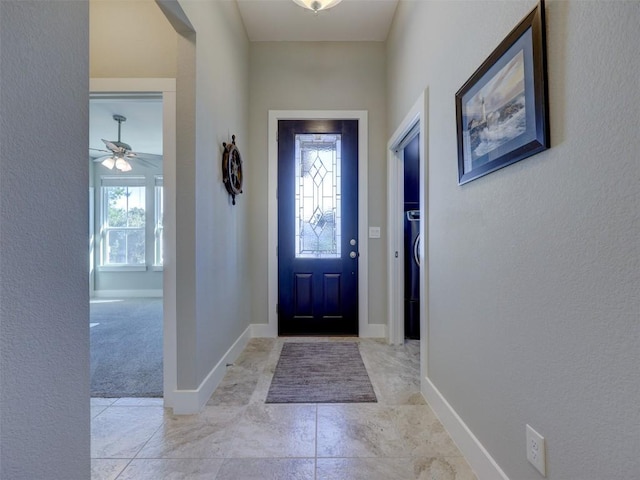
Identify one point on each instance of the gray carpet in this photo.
(126, 348)
(321, 372)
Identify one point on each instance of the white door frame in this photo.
(365, 330)
(167, 87)
(417, 116)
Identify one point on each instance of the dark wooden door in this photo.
(318, 227)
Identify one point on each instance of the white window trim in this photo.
(158, 237)
(122, 268)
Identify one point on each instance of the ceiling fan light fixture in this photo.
(109, 162)
(120, 152)
(317, 5)
(122, 164)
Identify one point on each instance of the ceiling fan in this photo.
(119, 153)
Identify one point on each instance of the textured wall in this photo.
(44, 301)
(534, 270)
(317, 76)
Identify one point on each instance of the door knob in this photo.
(353, 254)
(352, 242)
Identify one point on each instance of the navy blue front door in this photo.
(318, 227)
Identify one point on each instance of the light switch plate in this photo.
(374, 232)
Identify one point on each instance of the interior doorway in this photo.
(413, 128)
(126, 254)
(133, 217)
(412, 218)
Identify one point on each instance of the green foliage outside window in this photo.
(125, 229)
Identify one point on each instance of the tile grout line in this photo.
(125, 467)
(129, 460)
(150, 436)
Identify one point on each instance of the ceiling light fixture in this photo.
(317, 5)
(117, 161)
(123, 165)
(119, 150)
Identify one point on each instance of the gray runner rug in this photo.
(320, 372)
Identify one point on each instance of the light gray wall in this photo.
(219, 232)
(131, 39)
(534, 269)
(317, 76)
(186, 326)
(44, 304)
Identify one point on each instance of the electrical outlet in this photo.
(536, 450)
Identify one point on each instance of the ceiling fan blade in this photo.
(112, 146)
(97, 152)
(148, 156)
(146, 163)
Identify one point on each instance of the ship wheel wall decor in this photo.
(232, 168)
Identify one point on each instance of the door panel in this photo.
(303, 295)
(332, 304)
(317, 227)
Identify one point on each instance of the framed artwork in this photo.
(502, 111)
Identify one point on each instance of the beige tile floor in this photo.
(239, 437)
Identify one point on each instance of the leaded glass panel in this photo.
(317, 195)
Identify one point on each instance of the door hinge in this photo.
(277, 308)
(277, 136)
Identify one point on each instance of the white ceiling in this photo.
(142, 130)
(350, 20)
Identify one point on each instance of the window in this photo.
(124, 221)
(158, 230)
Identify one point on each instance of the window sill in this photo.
(157, 268)
(122, 268)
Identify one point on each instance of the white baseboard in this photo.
(127, 293)
(484, 466)
(263, 330)
(188, 402)
(373, 330)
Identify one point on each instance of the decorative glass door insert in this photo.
(317, 195)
